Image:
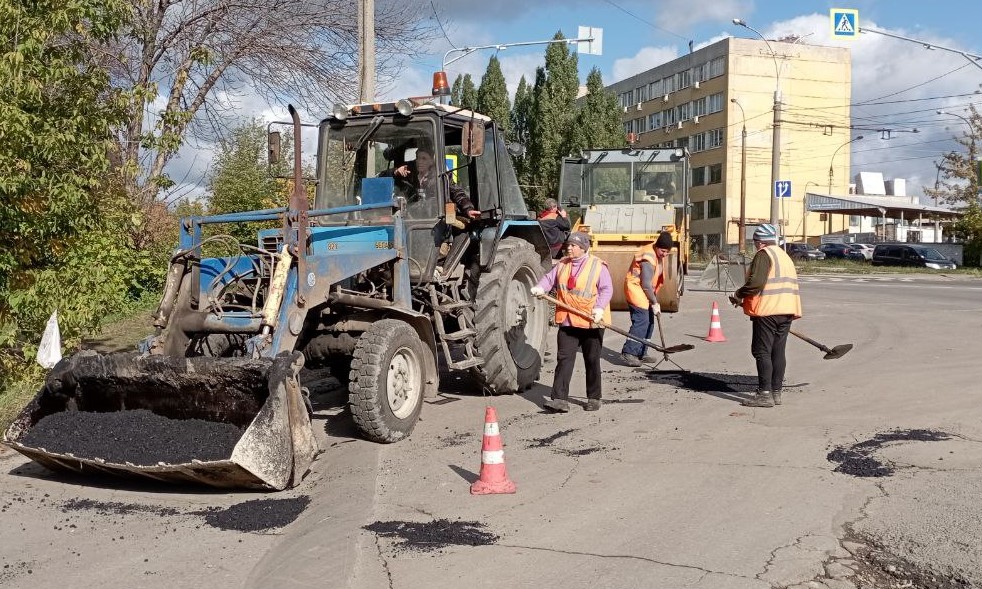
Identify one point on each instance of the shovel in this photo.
(830, 353)
(640, 340)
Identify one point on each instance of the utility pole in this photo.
(366, 51)
(743, 177)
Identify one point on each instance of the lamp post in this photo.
(776, 142)
(964, 120)
(832, 171)
(743, 176)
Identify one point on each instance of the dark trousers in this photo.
(568, 341)
(770, 336)
(642, 325)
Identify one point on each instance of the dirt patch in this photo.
(454, 440)
(857, 460)
(434, 535)
(548, 441)
(115, 508)
(256, 515)
(139, 437)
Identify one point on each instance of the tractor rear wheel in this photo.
(511, 324)
(388, 373)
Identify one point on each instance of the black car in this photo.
(835, 250)
(803, 251)
(910, 255)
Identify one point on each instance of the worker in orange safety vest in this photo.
(770, 298)
(582, 282)
(641, 284)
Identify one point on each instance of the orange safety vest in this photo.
(632, 282)
(583, 295)
(780, 293)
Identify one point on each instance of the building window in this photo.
(698, 211)
(714, 138)
(669, 84)
(682, 112)
(627, 127)
(716, 102)
(715, 208)
(715, 173)
(716, 67)
(698, 142)
(669, 116)
(699, 176)
(682, 142)
(656, 89)
(699, 107)
(685, 77)
(654, 121)
(642, 94)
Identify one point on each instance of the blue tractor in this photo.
(380, 276)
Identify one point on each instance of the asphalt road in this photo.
(671, 484)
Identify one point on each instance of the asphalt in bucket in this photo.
(138, 437)
(857, 460)
(434, 535)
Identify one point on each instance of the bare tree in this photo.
(186, 65)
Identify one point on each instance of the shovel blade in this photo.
(838, 352)
(678, 348)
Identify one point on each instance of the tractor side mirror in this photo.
(273, 140)
(472, 138)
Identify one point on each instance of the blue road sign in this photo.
(782, 189)
(845, 23)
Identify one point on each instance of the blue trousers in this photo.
(642, 325)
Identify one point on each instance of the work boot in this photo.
(629, 360)
(556, 405)
(777, 397)
(592, 405)
(761, 399)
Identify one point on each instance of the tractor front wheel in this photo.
(387, 380)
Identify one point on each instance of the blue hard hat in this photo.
(765, 232)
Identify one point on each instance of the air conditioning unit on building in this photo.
(696, 84)
(625, 109)
(695, 120)
(664, 98)
(680, 124)
(639, 106)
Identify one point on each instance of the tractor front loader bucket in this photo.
(224, 422)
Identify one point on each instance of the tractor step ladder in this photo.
(449, 306)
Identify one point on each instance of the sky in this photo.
(896, 85)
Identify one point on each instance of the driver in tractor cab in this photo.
(417, 178)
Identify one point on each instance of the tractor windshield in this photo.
(363, 161)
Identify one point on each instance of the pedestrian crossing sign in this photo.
(845, 23)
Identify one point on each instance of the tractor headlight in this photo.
(404, 106)
(340, 111)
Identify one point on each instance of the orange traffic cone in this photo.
(494, 478)
(715, 328)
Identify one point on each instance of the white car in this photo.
(863, 249)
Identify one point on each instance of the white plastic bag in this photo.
(49, 352)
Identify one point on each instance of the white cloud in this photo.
(678, 15)
(645, 59)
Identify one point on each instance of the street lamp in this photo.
(776, 143)
(743, 175)
(832, 171)
(971, 131)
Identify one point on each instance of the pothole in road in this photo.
(707, 382)
(549, 442)
(434, 535)
(857, 460)
(872, 564)
(256, 515)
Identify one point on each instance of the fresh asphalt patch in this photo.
(857, 460)
(433, 535)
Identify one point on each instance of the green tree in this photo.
(599, 120)
(468, 93)
(959, 188)
(492, 96)
(65, 216)
(456, 90)
(521, 112)
(554, 133)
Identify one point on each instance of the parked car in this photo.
(860, 251)
(910, 255)
(835, 250)
(803, 251)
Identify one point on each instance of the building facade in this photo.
(702, 100)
